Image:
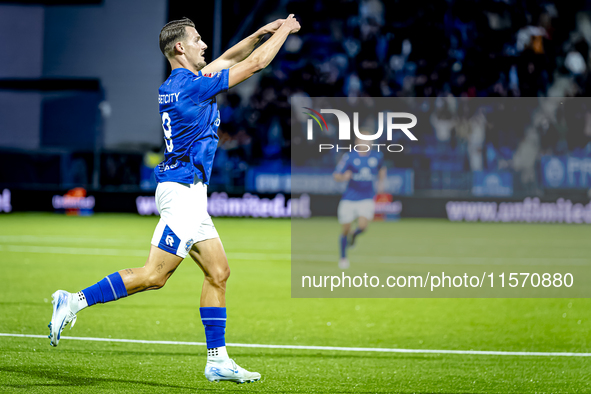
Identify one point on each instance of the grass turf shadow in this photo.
(73, 380)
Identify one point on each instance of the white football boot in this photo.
(229, 371)
(62, 316)
(344, 263)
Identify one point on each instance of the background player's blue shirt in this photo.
(190, 119)
(364, 170)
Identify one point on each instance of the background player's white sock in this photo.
(77, 302)
(217, 354)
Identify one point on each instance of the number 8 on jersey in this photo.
(167, 131)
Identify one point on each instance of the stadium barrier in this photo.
(531, 210)
(81, 202)
(506, 210)
(247, 205)
(5, 205)
(528, 210)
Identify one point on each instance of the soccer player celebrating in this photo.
(190, 119)
(359, 169)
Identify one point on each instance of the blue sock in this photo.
(214, 320)
(343, 246)
(111, 288)
(355, 234)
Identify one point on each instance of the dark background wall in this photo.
(115, 41)
(21, 58)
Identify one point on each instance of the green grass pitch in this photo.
(40, 253)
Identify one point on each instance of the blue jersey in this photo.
(190, 119)
(364, 171)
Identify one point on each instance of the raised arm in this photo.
(261, 58)
(240, 51)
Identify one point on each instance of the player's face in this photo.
(195, 48)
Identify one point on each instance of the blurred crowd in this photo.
(438, 49)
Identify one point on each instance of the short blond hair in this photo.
(173, 32)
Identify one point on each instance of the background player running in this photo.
(360, 170)
(190, 120)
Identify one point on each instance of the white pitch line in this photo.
(127, 252)
(327, 348)
(75, 251)
(305, 258)
(258, 256)
(100, 242)
(53, 239)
